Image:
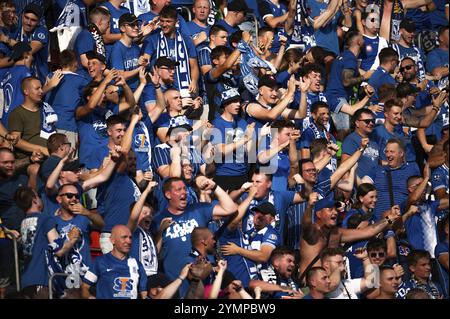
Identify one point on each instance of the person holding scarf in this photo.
(90, 39)
(171, 42)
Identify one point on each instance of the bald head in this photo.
(203, 240)
(121, 240)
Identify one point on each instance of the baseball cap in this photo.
(404, 89)
(269, 81)
(265, 208)
(323, 203)
(127, 18)
(239, 5)
(18, 50)
(408, 25)
(166, 61)
(35, 9)
(94, 55)
(230, 95)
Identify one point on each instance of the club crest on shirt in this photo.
(123, 287)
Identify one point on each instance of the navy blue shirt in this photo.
(378, 78)
(368, 160)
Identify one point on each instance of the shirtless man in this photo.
(324, 232)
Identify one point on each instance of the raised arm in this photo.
(215, 289)
(136, 211)
(348, 164)
(327, 15)
(242, 209)
(292, 11)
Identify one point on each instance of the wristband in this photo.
(157, 87)
(436, 109)
(179, 277)
(389, 234)
(214, 188)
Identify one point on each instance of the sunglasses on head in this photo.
(379, 254)
(406, 67)
(70, 195)
(368, 121)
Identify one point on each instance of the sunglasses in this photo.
(406, 67)
(374, 255)
(368, 121)
(70, 195)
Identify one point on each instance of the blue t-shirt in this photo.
(65, 98)
(126, 59)
(358, 211)
(161, 157)
(10, 214)
(39, 66)
(254, 239)
(92, 133)
(281, 201)
(326, 37)
(414, 53)
(368, 160)
(378, 78)
(369, 52)
(83, 43)
(80, 252)
(439, 178)
(113, 22)
(242, 268)
(193, 30)
(421, 228)
(228, 27)
(231, 132)
(399, 177)
(12, 92)
(311, 98)
(381, 136)
(441, 249)
(437, 16)
(176, 244)
(267, 8)
(117, 279)
(421, 19)
(335, 88)
(438, 58)
(35, 271)
(114, 198)
(142, 146)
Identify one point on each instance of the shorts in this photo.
(105, 243)
(336, 103)
(341, 120)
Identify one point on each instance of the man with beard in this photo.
(38, 230)
(405, 47)
(72, 214)
(364, 123)
(176, 238)
(276, 280)
(324, 233)
(116, 275)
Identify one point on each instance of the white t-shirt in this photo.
(346, 287)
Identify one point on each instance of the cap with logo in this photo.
(231, 95)
(269, 81)
(166, 61)
(265, 208)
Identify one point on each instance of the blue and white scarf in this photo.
(48, 120)
(250, 62)
(181, 55)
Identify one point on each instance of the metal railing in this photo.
(187, 10)
(16, 263)
(50, 282)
